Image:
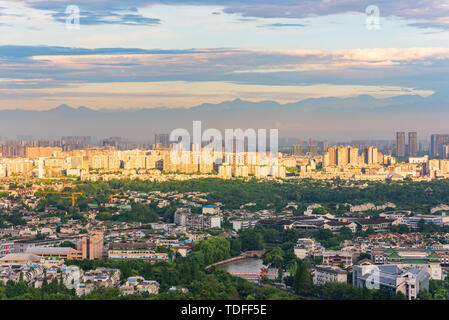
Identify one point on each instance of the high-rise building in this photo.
(313, 149)
(412, 144)
(37, 152)
(332, 156)
(296, 150)
(326, 160)
(342, 155)
(437, 142)
(349, 155)
(400, 144)
(162, 139)
(353, 156)
(323, 145)
(91, 246)
(370, 155)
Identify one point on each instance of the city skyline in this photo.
(183, 152)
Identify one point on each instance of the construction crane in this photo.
(44, 167)
(73, 195)
(40, 166)
(112, 196)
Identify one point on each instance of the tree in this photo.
(381, 295)
(324, 234)
(214, 249)
(403, 228)
(68, 244)
(302, 283)
(399, 296)
(346, 233)
(236, 247)
(370, 231)
(364, 255)
(320, 210)
(440, 294)
(421, 225)
(13, 290)
(270, 235)
(251, 240)
(424, 295)
(274, 258)
(40, 236)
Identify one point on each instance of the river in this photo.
(244, 265)
(249, 265)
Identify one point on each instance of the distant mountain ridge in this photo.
(360, 117)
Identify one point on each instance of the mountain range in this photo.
(334, 119)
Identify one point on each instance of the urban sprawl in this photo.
(357, 220)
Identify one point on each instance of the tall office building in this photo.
(296, 150)
(353, 156)
(37, 152)
(370, 155)
(412, 144)
(313, 149)
(162, 139)
(323, 145)
(437, 143)
(91, 246)
(342, 155)
(332, 156)
(400, 144)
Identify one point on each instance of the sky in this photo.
(181, 53)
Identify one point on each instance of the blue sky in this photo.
(144, 54)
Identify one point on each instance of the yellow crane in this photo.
(112, 196)
(73, 195)
(26, 173)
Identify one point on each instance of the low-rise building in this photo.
(305, 247)
(339, 258)
(20, 258)
(323, 274)
(6, 247)
(135, 251)
(138, 285)
(56, 252)
(378, 224)
(411, 257)
(102, 277)
(209, 209)
(335, 226)
(392, 278)
(243, 224)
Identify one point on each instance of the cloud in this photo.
(421, 14)
(108, 17)
(277, 25)
(97, 12)
(422, 68)
(30, 51)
